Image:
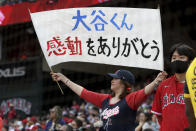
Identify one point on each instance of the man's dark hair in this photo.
(183, 49)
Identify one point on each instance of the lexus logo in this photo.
(12, 72)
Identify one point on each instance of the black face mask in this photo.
(179, 66)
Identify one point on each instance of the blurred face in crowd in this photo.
(176, 56)
(11, 108)
(74, 125)
(116, 84)
(53, 113)
(142, 117)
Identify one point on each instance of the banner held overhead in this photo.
(117, 36)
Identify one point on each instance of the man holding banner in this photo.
(190, 108)
(119, 108)
(168, 102)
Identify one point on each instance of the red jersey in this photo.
(169, 105)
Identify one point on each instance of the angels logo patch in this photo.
(107, 113)
(170, 99)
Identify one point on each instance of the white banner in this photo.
(116, 36)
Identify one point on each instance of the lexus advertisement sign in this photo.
(21, 85)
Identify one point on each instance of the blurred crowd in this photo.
(78, 117)
(83, 117)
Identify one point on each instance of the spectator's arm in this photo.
(139, 127)
(149, 88)
(93, 97)
(73, 86)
